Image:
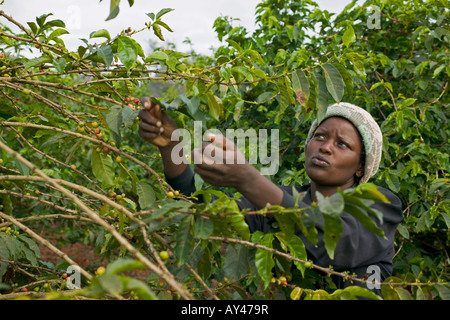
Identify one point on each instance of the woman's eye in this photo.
(342, 144)
(319, 136)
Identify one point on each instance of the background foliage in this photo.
(71, 158)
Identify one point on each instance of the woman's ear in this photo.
(360, 171)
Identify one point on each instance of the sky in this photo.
(191, 19)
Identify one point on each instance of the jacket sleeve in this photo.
(357, 246)
(184, 182)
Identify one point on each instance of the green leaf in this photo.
(313, 92)
(114, 121)
(23, 169)
(215, 105)
(332, 232)
(54, 23)
(243, 71)
(331, 209)
(33, 27)
(56, 33)
(106, 54)
(284, 100)
(236, 262)
(349, 36)
(335, 83)
(111, 283)
(102, 33)
(362, 216)
(127, 51)
(103, 168)
(403, 294)
(322, 96)
(346, 77)
(356, 291)
(264, 259)
(166, 206)
(123, 264)
(203, 228)
(238, 222)
(157, 32)
(41, 19)
(300, 85)
(11, 244)
(129, 116)
(140, 288)
(183, 239)
(163, 24)
(296, 293)
(388, 292)
(37, 61)
(163, 12)
(60, 65)
(3, 270)
(235, 45)
(444, 291)
(26, 253)
(113, 9)
(4, 252)
(298, 250)
(358, 62)
(31, 244)
(369, 191)
(333, 205)
(146, 194)
(438, 70)
(157, 55)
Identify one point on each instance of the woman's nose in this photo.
(325, 147)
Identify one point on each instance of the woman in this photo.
(341, 151)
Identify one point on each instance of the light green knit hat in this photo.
(368, 128)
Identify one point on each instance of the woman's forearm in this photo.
(170, 168)
(259, 190)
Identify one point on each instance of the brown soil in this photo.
(84, 255)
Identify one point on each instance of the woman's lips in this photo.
(319, 161)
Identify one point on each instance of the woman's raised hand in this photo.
(155, 126)
(221, 163)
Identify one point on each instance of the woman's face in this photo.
(333, 155)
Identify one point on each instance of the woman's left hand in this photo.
(221, 163)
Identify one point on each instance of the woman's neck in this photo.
(326, 191)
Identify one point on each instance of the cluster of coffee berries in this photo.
(112, 195)
(133, 103)
(282, 281)
(9, 231)
(171, 194)
(81, 127)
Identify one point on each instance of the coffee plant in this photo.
(71, 158)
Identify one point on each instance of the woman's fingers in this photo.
(220, 141)
(148, 117)
(146, 126)
(154, 109)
